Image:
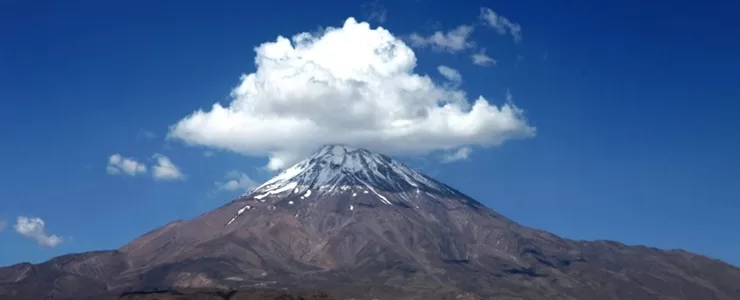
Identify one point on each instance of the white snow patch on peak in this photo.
(241, 211)
(335, 168)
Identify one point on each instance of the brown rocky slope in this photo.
(360, 225)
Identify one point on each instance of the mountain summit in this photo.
(336, 168)
(361, 225)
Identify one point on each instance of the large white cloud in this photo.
(351, 85)
(35, 229)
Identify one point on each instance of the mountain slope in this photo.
(362, 225)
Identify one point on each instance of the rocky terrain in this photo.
(360, 225)
(211, 294)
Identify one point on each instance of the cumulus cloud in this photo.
(236, 181)
(165, 169)
(501, 24)
(461, 154)
(118, 164)
(482, 59)
(451, 74)
(352, 85)
(452, 41)
(34, 229)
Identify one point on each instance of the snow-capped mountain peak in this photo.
(338, 167)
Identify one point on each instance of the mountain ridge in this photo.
(358, 223)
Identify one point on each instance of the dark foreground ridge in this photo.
(359, 225)
(210, 294)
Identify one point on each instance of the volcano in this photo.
(361, 225)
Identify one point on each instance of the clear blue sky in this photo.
(635, 105)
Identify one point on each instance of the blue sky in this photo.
(634, 106)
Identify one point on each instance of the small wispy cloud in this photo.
(164, 169)
(509, 97)
(35, 229)
(209, 153)
(236, 181)
(118, 164)
(146, 134)
(519, 59)
(501, 24)
(3, 224)
(461, 154)
(377, 12)
(451, 41)
(482, 59)
(450, 74)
